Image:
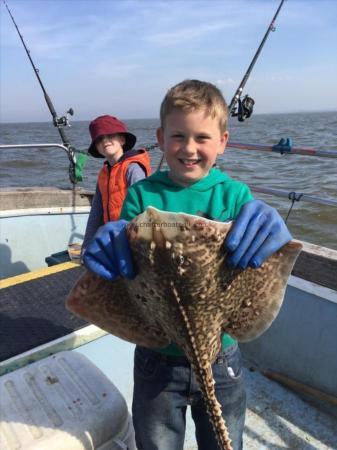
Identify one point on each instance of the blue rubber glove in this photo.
(257, 233)
(108, 254)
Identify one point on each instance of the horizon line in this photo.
(157, 118)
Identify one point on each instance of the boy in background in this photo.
(192, 134)
(122, 167)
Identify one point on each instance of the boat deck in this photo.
(32, 310)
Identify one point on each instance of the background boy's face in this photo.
(191, 142)
(110, 146)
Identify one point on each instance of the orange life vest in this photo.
(112, 182)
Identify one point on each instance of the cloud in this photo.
(226, 81)
(108, 70)
(186, 34)
(145, 46)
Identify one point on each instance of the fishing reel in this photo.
(64, 121)
(244, 109)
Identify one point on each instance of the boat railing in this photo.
(9, 146)
(76, 162)
(283, 147)
(294, 196)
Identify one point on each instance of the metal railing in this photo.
(291, 195)
(294, 196)
(9, 146)
(283, 149)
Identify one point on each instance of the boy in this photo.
(193, 132)
(122, 167)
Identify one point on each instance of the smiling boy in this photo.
(193, 132)
(191, 142)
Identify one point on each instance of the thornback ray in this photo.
(184, 292)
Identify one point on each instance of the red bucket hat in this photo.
(109, 125)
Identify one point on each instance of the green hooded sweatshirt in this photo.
(215, 196)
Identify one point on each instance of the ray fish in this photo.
(185, 293)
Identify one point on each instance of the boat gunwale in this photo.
(45, 211)
(70, 341)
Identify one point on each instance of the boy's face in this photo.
(191, 142)
(110, 146)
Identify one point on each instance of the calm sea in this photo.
(310, 175)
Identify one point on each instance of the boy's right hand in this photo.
(108, 254)
(257, 233)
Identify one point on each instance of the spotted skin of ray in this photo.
(185, 293)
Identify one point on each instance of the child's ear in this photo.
(160, 138)
(224, 139)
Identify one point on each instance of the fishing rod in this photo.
(245, 106)
(57, 121)
(283, 147)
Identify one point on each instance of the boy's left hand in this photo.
(257, 233)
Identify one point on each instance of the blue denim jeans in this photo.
(163, 388)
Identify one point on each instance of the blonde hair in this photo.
(195, 95)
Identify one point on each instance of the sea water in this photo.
(303, 174)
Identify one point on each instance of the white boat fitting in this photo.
(63, 402)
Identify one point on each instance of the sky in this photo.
(120, 57)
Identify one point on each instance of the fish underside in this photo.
(185, 293)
